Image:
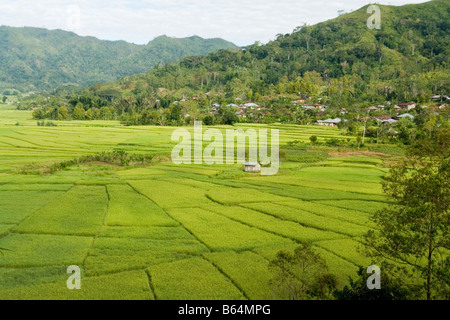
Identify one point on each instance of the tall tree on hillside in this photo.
(415, 232)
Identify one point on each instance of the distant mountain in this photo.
(40, 59)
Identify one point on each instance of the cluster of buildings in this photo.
(407, 106)
(243, 110)
(252, 109)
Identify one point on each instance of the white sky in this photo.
(240, 21)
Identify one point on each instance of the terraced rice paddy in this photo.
(168, 231)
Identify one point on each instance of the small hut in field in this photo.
(252, 167)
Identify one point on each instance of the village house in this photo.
(407, 105)
(371, 109)
(251, 105)
(405, 115)
(329, 122)
(440, 98)
(382, 118)
(389, 121)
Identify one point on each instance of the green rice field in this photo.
(167, 231)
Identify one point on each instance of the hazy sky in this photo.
(240, 21)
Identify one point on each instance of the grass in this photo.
(122, 254)
(131, 285)
(308, 219)
(248, 270)
(32, 250)
(228, 234)
(192, 279)
(166, 231)
(129, 208)
(79, 211)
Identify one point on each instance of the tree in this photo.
(4, 99)
(228, 116)
(89, 114)
(416, 231)
(78, 112)
(63, 113)
(313, 139)
(302, 275)
(175, 112)
(107, 113)
(38, 114)
(208, 120)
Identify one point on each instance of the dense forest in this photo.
(35, 59)
(340, 65)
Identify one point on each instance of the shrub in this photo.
(333, 142)
(302, 275)
(44, 123)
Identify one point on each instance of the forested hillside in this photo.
(33, 59)
(340, 63)
(408, 57)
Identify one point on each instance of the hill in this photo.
(342, 58)
(39, 59)
(339, 63)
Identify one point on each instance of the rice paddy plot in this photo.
(197, 169)
(221, 233)
(308, 219)
(156, 233)
(138, 173)
(122, 254)
(286, 229)
(32, 250)
(129, 208)
(11, 278)
(317, 193)
(31, 184)
(347, 249)
(192, 279)
(131, 285)
(350, 173)
(16, 205)
(330, 210)
(230, 196)
(359, 205)
(169, 195)
(79, 211)
(248, 271)
(325, 184)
